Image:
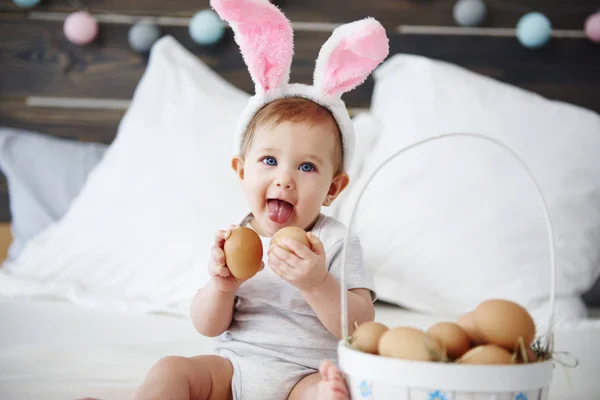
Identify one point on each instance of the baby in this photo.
(275, 329)
(276, 332)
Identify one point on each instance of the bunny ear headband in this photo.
(265, 38)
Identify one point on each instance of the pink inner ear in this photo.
(264, 36)
(354, 59)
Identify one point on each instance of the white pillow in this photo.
(139, 234)
(457, 221)
(44, 173)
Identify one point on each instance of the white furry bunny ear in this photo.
(350, 54)
(265, 38)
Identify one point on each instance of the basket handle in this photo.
(548, 220)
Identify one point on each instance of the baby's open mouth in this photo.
(279, 211)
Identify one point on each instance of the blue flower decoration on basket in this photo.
(437, 395)
(520, 396)
(365, 389)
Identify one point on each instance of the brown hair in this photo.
(295, 109)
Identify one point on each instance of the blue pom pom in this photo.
(206, 27)
(469, 12)
(26, 3)
(534, 30)
(142, 35)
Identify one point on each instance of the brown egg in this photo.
(291, 232)
(243, 253)
(486, 354)
(452, 337)
(503, 322)
(467, 323)
(410, 344)
(366, 336)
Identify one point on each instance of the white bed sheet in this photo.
(56, 350)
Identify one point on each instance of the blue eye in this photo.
(269, 161)
(307, 167)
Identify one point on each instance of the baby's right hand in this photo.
(217, 267)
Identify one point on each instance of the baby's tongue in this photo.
(279, 211)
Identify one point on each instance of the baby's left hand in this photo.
(302, 267)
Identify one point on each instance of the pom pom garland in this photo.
(80, 28)
(534, 30)
(592, 27)
(206, 28)
(142, 35)
(26, 3)
(469, 12)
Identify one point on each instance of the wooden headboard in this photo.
(5, 240)
(40, 70)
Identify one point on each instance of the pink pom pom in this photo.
(80, 28)
(592, 27)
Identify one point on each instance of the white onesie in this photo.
(275, 338)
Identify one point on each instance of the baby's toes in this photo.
(337, 396)
(336, 382)
(324, 368)
(335, 374)
(338, 391)
(338, 386)
(328, 390)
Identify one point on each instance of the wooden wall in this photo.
(36, 60)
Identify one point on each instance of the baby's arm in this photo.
(305, 269)
(325, 301)
(212, 307)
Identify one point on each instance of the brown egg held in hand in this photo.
(290, 232)
(410, 344)
(486, 354)
(243, 253)
(366, 336)
(452, 337)
(503, 322)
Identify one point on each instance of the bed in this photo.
(60, 351)
(56, 350)
(104, 234)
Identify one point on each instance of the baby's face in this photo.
(287, 174)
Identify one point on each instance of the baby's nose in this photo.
(285, 181)
(284, 184)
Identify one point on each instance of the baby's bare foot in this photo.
(332, 385)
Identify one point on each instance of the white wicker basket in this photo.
(375, 377)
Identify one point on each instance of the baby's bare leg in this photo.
(201, 378)
(327, 384)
